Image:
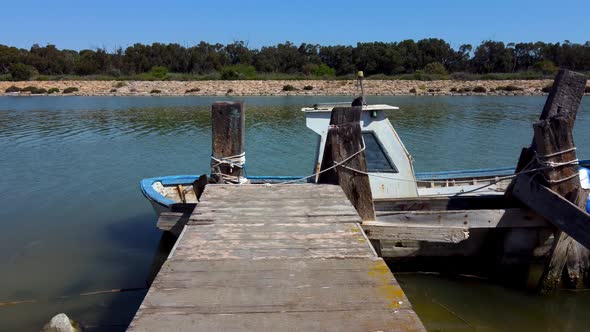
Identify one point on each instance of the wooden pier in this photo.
(274, 258)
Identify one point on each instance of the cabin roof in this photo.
(329, 107)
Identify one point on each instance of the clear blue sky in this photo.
(79, 24)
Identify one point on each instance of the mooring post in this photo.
(555, 146)
(344, 143)
(553, 149)
(227, 152)
(565, 96)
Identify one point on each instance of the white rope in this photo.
(336, 164)
(558, 153)
(553, 164)
(542, 159)
(562, 179)
(237, 161)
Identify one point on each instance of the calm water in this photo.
(74, 221)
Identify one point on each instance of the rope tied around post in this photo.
(542, 160)
(238, 161)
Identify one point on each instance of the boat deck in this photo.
(274, 258)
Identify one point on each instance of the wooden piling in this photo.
(228, 122)
(554, 139)
(553, 133)
(344, 143)
(565, 96)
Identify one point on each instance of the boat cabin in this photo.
(388, 161)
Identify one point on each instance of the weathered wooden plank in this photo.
(501, 218)
(230, 219)
(463, 202)
(387, 320)
(228, 124)
(376, 230)
(202, 242)
(562, 213)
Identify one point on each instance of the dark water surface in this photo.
(73, 220)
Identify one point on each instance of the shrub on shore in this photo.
(34, 90)
(463, 76)
(113, 90)
(289, 87)
(435, 68)
(237, 72)
(21, 72)
(308, 88)
(120, 84)
(464, 90)
(155, 91)
(229, 91)
(547, 67)
(546, 89)
(193, 90)
(453, 89)
(322, 70)
(479, 89)
(12, 88)
(71, 89)
(52, 91)
(509, 88)
(413, 90)
(159, 72)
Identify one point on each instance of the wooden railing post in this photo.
(344, 143)
(227, 121)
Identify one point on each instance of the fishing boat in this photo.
(389, 166)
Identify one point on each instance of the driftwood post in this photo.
(553, 145)
(227, 120)
(344, 141)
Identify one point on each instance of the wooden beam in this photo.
(345, 142)
(227, 122)
(565, 215)
(562, 213)
(438, 203)
(496, 218)
(377, 230)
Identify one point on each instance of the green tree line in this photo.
(414, 59)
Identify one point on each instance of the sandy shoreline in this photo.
(275, 88)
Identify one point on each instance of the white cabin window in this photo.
(377, 160)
